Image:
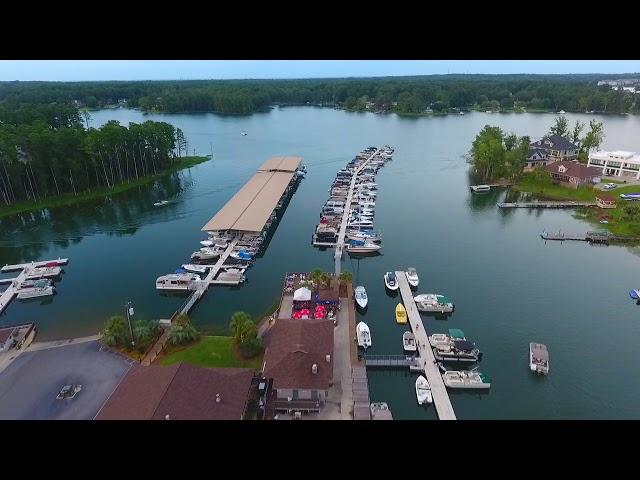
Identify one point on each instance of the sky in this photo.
(80, 70)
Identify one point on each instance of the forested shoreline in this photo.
(403, 95)
(46, 150)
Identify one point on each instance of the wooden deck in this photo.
(345, 215)
(570, 204)
(438, 390)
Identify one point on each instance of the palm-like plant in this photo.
(116, 331)
(239, 324)
(346, 277)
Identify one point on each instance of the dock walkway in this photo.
(345, 215)
(569, 204)
(438, 390)
(389, 361)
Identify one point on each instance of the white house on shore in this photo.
(616, 164)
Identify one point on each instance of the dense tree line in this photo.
(411, 95)
(46, 150)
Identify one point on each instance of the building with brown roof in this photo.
(573, 174)
(179, 392)
(299, 360)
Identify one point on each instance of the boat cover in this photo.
(302, 294)
(180, 270)
(464, 345)
(456, 333)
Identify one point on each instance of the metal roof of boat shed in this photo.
(250, 208)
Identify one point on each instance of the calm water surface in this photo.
(509, 287)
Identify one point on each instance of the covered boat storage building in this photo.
(250, 208)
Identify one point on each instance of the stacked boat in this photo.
(38, 281)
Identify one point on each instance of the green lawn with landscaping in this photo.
(623, 220)
(70, 199)
(212, 352)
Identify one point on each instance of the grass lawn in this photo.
(70, 199)
(212, 352)
(617, 224)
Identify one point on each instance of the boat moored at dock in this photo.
(432, 302)
(360, 295)
(409, 342)
(401, 314)
(480, 188)
(390, 281)
(457, 351)
(178, 282)
(412, 276)
(423, 391)
(380, 411)
(363, 335)
(39, 288)
(469, 379)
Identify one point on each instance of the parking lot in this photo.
(29, 386)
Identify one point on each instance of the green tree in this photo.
(116, 332)
(560, 126)
(577, 130)
(593, 139)
(345, 277)
(241, 327)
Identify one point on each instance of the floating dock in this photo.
(591, 237)
(438, 390)
(345, 214)
(413, 363)
(547, 204)
(26, 273)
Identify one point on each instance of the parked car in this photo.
(609, 186)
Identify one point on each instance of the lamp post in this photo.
(129, 311)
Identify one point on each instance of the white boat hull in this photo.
(363, 335)
(423, 391)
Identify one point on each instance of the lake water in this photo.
(509, 287)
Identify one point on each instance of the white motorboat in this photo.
(364, 222)
(390, 281)
(36, 288)
(244, 134)
(423, 391)
(380, 411)
(207, 253)
(177, 281)
(538, 358)
(364, 335)
(412, 277)
(360, 295)
(218, 244)
(364, 236)
(457, 351)
(480, 188)
(161, 203)
(432, 302)
(440, 339)
(466, 379)
(358, 246)
(409, 342)
(189, 267)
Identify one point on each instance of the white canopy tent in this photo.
(302, 294)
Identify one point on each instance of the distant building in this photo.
(299, 360)
(573, 174)
(179, 392)
(557, 148)
(619, 163)
(536, 157)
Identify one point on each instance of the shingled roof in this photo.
(182, 391)
(293, 347)
(573, 169)
(554, 142)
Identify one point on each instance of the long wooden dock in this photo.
(22, 266)
(345, 215)
(570, 204)
(438, 390)
(413, 363)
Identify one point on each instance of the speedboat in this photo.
(189, 267)
(390, 281)
(362, 222)
(219, 244)
(206, 254)
(401, 314)
(423, 391)
(412, 277)
(432, 302)
(630, 196)
(363, 335)
(366, 236)
(244, 134)
(380, 411)
(360, 295)
(466, 379)
(635, 294)
(538, 358)
(177, 281)
(161, 203)
(480, 188)
(409, 342)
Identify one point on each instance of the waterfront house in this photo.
(536, 157)
(605, 201)
(557, 148)
(299, 360)
(573, 174)
(179, 392)
(619, 163)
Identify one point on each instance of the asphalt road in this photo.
(28, 387)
